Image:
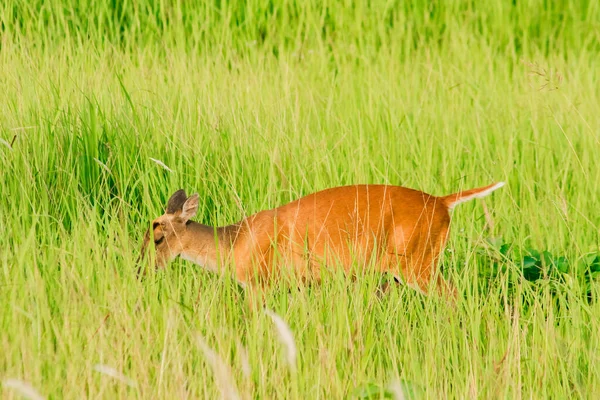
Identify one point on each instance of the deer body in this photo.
(391, 228)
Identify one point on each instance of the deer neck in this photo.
(207, 246)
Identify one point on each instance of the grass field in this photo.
(253, 105)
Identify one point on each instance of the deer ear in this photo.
(176, 202)
(190, 207)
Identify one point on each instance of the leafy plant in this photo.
(536, 265)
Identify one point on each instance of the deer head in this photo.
(169, 230)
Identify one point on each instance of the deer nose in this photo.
(142, 267)
(141, 271)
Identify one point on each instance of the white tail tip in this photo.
(455, 199)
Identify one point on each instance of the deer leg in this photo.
(417, 266)
(427, 272)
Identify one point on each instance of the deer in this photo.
(392, 229)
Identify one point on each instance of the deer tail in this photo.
(452, 200)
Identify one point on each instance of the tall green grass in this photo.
(255, 104)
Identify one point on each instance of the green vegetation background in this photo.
(252, 104)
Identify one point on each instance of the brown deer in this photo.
(394, 229)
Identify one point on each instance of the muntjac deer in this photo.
(397, 230)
